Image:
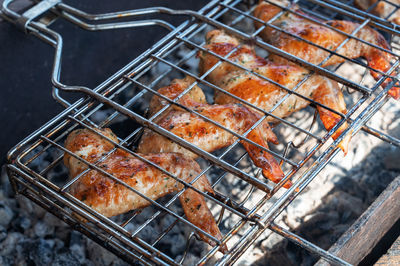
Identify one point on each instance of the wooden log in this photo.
(364, 234)
(392, 257)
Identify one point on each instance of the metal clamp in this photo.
(35, 11)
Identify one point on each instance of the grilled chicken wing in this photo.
(264, 94)
(193, 98)
(206, 135)
(381, 9)
(324, 37)
(111, 198)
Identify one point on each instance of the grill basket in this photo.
(35, 166)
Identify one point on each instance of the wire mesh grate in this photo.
(244, 204)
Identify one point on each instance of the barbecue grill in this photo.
(35, 165)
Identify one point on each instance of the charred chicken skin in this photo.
(110, 198)
(264, 94)
(324, 37)
(207, 135)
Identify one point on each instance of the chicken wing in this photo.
(207, 135)
(324, 37)
(110, 198)
(264, 94)
(382, 9)
(193, 98)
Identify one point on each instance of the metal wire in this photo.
(123, 93)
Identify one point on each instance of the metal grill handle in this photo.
(53, 9)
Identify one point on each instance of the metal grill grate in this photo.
(35, 165)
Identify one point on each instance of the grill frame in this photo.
(21, 175)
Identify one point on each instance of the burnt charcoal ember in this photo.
(42, 229)
(6, 190)
(7, 260)
(79, 252)
(21, 223)
(75, 238)
(77, 246)
(100, 256)
(28, 208)
(8, 245)
(37, 251)
(3, 233)
(65, 259)
(391, 160)
(6, 215)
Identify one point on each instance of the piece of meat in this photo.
(381, 9)
(210, 137)
(324, 37)
(264, 94)
(110, 198)
(193, 98)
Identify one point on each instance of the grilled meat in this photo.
(324, 37)
(206, 135)
(110, 198)
(381, 9)
(264, 94)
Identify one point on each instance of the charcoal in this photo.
(7, 260)
(100, 256)
(6, 215)
(78, 251)
(3, 233)
(38, 251)
(21, 223)
(392, 160)
(75, 238)
(8, 245)
(65, 259)
(43, 229)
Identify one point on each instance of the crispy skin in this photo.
(264, 94)
(382, 9)
(210, 137)
(325, 37)
(111, 198)
(193, 98)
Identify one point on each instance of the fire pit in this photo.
(251, 212)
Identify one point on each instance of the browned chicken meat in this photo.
(110, 198)
(324, 37)
(193, 98)
(265, 94)
(382, 9)
(205, 134)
